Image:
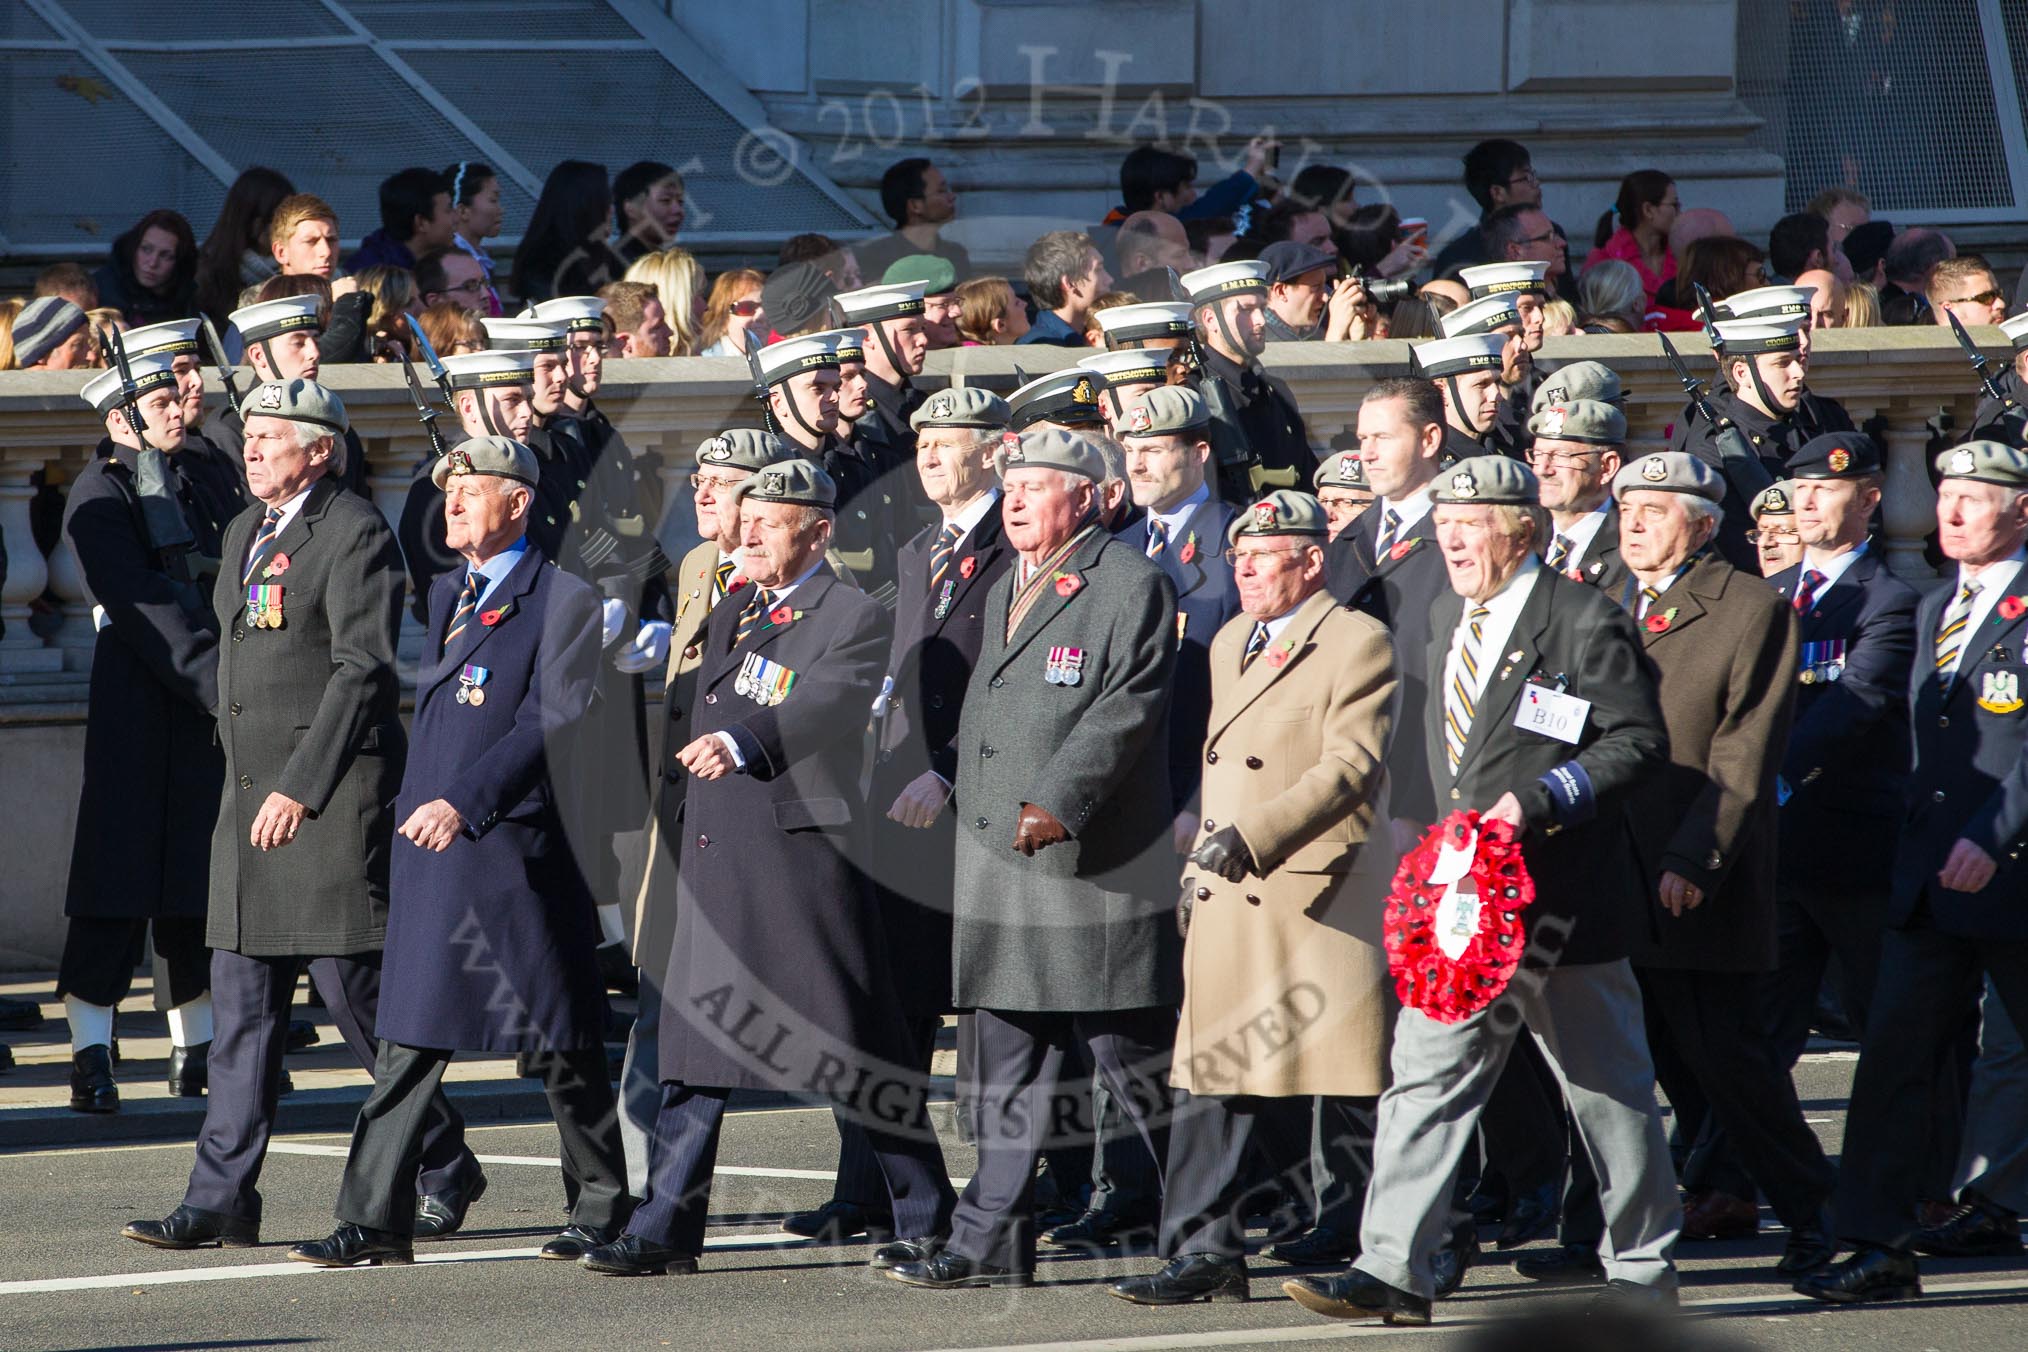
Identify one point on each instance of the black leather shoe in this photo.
(189, 1227)
(905, 1251)
(19, 1016)
(284, 1086)
(1564, 1265)
(1322, 1247)
(1810, 1247)
(1975, 1228)
(1354, 1295)
(438, 1214)
(350, 1245)
(1098, 1229)
(6, 1057)
(836, 1221)
(633, 1256)
(1531, 1216)
(1189, 1277)
(945, 1270)
(1455, 1259)
(91, 1081)
(576, 1241)
(1488, 1206)
(302, 1033)
(189, 1070)
(1871, 1274)
(1621, 1295)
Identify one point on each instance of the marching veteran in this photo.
(1284, 976)
(491, 932)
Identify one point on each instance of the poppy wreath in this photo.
(1424, 977)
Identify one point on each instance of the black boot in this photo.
(189, 1070)
(1189, 1277)
(91, 1081)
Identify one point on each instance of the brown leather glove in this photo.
(1037, 830)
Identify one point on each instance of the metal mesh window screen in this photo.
(520, 20)
(2016, 16)
(18, 24)
(625, 106)
(210, 21)
(61, 113)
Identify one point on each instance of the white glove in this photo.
(615, 617)
(649, 649)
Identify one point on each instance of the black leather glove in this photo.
(1185, 904)
(1224, 853)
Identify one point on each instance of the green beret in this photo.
(297, 400)
(745, 449)
(962, 406)
(936, 274)
(1584, 420)
(1282, 512)
(794, 480)
(1670, 472)
(1343, 470)
(1986, 462)
(1487, 480)
(1165, 411)
(1054, 448)
(1579, 380)
(1777, 499)
(501, 457)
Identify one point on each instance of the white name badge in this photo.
(1551, 713)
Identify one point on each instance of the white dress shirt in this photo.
(1494, 631)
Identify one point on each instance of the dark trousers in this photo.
(387, 1141)
(1926, 981)
(99, 957)
(859, 1178)
(1208, 1187)
(1708, 1023)
(250, 1016)
(1341, 1160)
(684, 1151)
(1021, 1054)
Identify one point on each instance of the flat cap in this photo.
(1125, 325)
(1986, 462)
(962, 406)
(1761, 333)
(578, 314)
(1286, 511)
(273, 318)
(1484, 315)
(151, 371)
(526, 335)
(793, 356)
(795, 296)
(1343, 470)
(490, 369)
(1579, 380)
(936, 274)
(42, 326)
(297, 400)
(2016, 329)
(793, 480)
(1504, 279)
(869, 304)
(1767, 302)
(1053, 448)
(1069, 397)
(1487, 480)
(1454, 356)
(1585, 420)
(1220, 280)
(1128, 366)
(177, 337)
(501, 457)
(1289, 259)
(1836, 455)
(743, 448)
(1165, 411)
(1777, 499)
(1670, 472)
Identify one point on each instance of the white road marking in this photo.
(553, 1162)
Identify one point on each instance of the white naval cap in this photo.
(575, 313)
(1483, 315)
(870, 304)
(151, 370)
(793, 356)
(1455, 356)
(526, 335)
(1498, 279)
(273, 318)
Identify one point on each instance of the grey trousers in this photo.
(1588, 1021)
(1994, 1158)
(641, 1083)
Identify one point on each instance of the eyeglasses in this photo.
(1983, 298)
(597, 345)
(1774, 537)
(1524, 176)
(476, 287)
(1538, 456)
(746, 309)
(714, 481)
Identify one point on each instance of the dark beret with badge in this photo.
(1054, 448)
(1069, 397)
(1282, 512)
(1487, 481)
(962, 406)
(1670, 472)
(1586, 421)
(1342, 470)
(498, 457)
(1986, 462)
(1165, 411)
(744, 448)
(299, 400)
(1836, 455)
(796, 481)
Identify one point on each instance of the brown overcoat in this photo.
(1286, 989)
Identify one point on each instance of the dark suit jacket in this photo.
(1268, 416)
(310, 710)
(1775, 440)
(1723, 647)
(1600, 565)
(1970, 775)
(492, 944)
(1579, 845)
(1398, 591)
(1847, 760)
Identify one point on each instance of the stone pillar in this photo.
(21, 651)
(76, 635)
(1908, 499)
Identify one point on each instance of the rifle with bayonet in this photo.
(436, 365)
(1737, 460)
(2011, 420)
(1240, 476)
(426, 413)
(1980, 365)
(168, 535)
(760, 384)
(224, 367)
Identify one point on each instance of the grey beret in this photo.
(1670, 472)
(1343, 470)
(42, 326)
(1282, 512)
(1165, 411)
(297, 400)
(1579, 380)
(962, 406)
(1777, 499)
(1487, 480)
(1986, 462)
(795, 480)
(1054, 448)
(1585, 420)
(501, 457)
(744, 448)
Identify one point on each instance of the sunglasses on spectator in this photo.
(1983, 298)
(746, 309)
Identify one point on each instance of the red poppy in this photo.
(1401, 550)
(1067, 584)
(1278, 657)
(278, 565)
(734, 585)
(1657, 623)
(2011, 607)
(489, 618)
(781, 615)
(966, 565)
(1189, 549)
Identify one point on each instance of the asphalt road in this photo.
(67, 1280)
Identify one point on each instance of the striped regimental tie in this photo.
(722, 579)
(761, 602)
(264, 540)
(1950, 637)
(1559, 552)
(940, 553)
(1389, 524)
(468, 601)
(1255, 643)
(1459, 705)
(1158, 537)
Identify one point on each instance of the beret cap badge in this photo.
(774, 482)
(1654, 469)
(460, 461)
(941, 407)
(718, 449)
(1963, 462)
(1263, 515)
(1464, 486)
(1138, 419)
(271, 397)
(1552, 422)
(1839, 460)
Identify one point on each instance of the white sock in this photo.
(613, 923)
(190, 1023)
(90, 1025)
